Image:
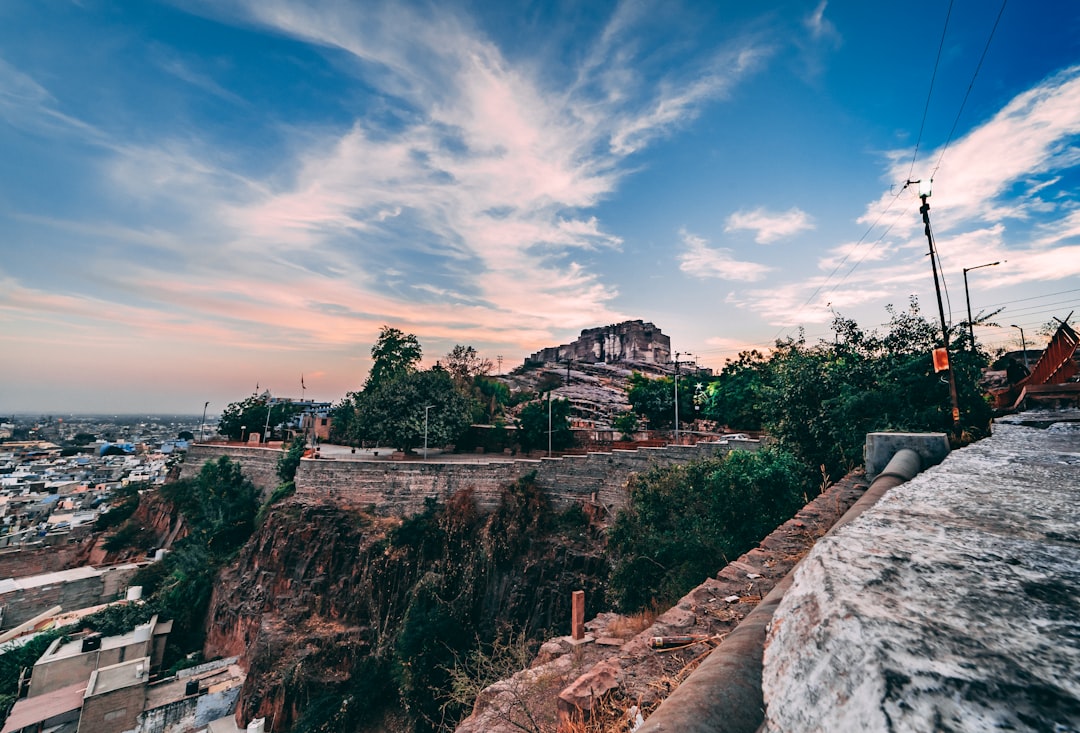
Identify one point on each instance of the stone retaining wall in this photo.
(259, 464)
(394, 488)
(399, 489)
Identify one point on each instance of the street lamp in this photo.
(971, 326)
(243, 428)
(266, 428)
(924, 194)
(428, 407)
(1023, 345)
(549, 423)
(202, 435)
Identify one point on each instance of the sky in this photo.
(201, 198)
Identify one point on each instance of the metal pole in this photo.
(676, 398)
(266, 429)
(1023, 345)
(426, 409)
(549, 424)
(925, 211)
(967, 297)
(202, 434)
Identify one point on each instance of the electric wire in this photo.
(978, 67)
(930, 91)
(845, 259)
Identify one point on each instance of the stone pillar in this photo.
(577, 621)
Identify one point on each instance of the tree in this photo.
(394, 354)
(464, 365)
(394, 411)
(655, 399)
(732, 399)
(684, 522)
(185, 435)
(533, 423)
(250, 416)
(626, 423)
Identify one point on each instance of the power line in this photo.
(978, 66)
(930, 91)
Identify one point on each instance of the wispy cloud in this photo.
(701, 260)
(768, 226)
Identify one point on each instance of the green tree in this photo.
(394, 355)
(626, 423)
(249, 416)
(654, 399)
(732, 398)
(684, 522)
(465, 365)
(533, 423)
(394, 412)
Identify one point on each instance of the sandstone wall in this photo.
(399, 489)
(259, 464)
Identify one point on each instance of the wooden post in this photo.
(577, 622)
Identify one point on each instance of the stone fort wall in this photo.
(259, 464)
(393, 488)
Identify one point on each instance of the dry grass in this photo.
(625, 627)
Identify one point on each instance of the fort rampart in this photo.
(400, 488)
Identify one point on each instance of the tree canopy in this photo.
(394, 354)
(250, 416)
(819, 401)
(654, 399)
(394, 412)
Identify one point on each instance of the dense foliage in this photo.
(251, 415)
(654, 399)
(533, 422)
(394, 355)
(459, 572)
(819, 401)
(684, 522)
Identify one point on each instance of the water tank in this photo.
(159, 555)
(257, 726)
(191, 688)
(134, 593)
(91, 643)
(142, 633)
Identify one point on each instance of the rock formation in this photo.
(629, 341)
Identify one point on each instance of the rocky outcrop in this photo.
(629, 341)
(331, 609)
(636, 674)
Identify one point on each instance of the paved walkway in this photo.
(952, 605)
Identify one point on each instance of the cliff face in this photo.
(346, 621)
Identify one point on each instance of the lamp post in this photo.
(549, 423)
(243, 428)
(202, 424)
(426, 409)
(1023, 345)
(924, 194)
(266, 428)
(967, 297)
(676, 398)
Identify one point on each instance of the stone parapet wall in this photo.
(400, 489)
(259, 464)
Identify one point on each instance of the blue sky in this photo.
(197, 197)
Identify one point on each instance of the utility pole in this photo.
(266, 429)
(967, 297)
(426, 410)
(499, 359)
(676, 398)
(1023, 345)
(924, 194)
(202, 425)
(549, 423)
